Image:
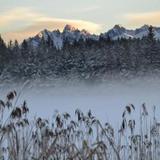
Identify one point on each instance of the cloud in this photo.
(85, 9)
(54, 23)
(134, 19)
(26, 23)
(17, 18)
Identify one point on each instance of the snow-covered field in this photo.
(107, 101)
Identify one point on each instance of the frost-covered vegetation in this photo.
(81, 137)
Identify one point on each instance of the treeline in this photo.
(83, 59)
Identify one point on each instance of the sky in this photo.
(21, 19)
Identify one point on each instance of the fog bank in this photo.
(106, 100)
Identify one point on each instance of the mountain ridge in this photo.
(72, 34)
(82, 56)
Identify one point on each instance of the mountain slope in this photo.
(118, 32)
(71, 34)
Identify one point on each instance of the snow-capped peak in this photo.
(43, 34)
(145, 26)
(69, 28)
(118, 32)
(118, 27)
(71, 34)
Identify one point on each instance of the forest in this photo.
(83, 60)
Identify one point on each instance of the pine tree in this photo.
(151, 33)
(4, 56)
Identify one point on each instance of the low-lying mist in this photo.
(106, 100)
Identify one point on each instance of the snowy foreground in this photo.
(81, 122)
(106, 100)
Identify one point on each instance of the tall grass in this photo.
(82, 137)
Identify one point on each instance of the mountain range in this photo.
(78, 54)
(72, 34)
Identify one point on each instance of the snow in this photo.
(121, 32)
(107, 101)
(69, 28)
(57, 39)
(72, 34)
(157, 34)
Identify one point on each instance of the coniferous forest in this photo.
(84, 60)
